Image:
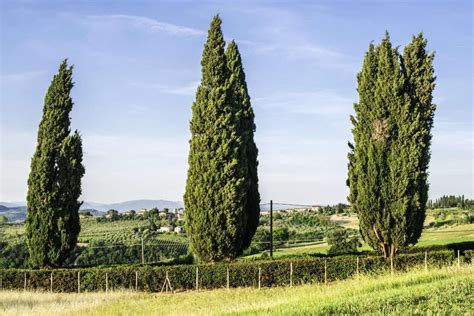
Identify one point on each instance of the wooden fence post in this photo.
(459, 260)
(78, 281)
(136, 280)
(325, 271)
(259, 277)
(106, 282)
(357, 267)
(228, 278)
(197, 279)
(24, 283)
(291, 274)
(51, 281)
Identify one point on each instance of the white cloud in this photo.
(187, 89)
(146, 23)
(20, 77)
(321, 103)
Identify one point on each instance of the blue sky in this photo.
(137, 66)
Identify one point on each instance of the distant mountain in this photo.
(13, 204)
(16, 212)
(137, 205)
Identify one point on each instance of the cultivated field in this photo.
(445, 291)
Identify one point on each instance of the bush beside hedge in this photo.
(241, 274)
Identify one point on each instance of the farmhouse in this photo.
(166, 229)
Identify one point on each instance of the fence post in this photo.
(426, 261)
(78, 281)
(24, 283)
(51, 281)
(1, 284)
(136, 280)
(228, 278)
(459, 260)
(357, 267)
(259, 277)
(197, 279)
(143, 252)
(325, 271)
(291, 274)
(271, 229)
(106, 282)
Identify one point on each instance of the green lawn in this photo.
(446, 235)
(443, 291)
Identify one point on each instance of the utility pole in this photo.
(271, 229)
(143, 251)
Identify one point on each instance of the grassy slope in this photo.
(439, 291)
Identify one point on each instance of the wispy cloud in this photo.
(321, 103)
(325, 56)
(146, 23)
(187, 89)
(20, 77)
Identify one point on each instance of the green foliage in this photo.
(340, 242)
(219, 210)
(13, 255)
(54, 183)
(392, 132)
(449, 201)
(3, 219)
(241, 99)
(241, 274)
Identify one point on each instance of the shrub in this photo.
(241, 274)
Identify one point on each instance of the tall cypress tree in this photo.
(247, 128)
(54, 183)
(418, 70)
(214, 200)
(389, 158)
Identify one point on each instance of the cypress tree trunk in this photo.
(389, 158)
(215, 202)
(54, 183)
(247, 129)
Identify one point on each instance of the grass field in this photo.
(432, 236)
(445, 291)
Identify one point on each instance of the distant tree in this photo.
(54, 184)
(113, 214)
(85, 213)
(392, 131)
(340, 242)
(3, 219)
(217, 182)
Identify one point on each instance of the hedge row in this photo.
(210, 276)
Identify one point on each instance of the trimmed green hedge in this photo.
(241, 274)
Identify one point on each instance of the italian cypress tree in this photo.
(54, 183)
(389, 159)
(418, 70)
(247, 127)
(216, 186)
